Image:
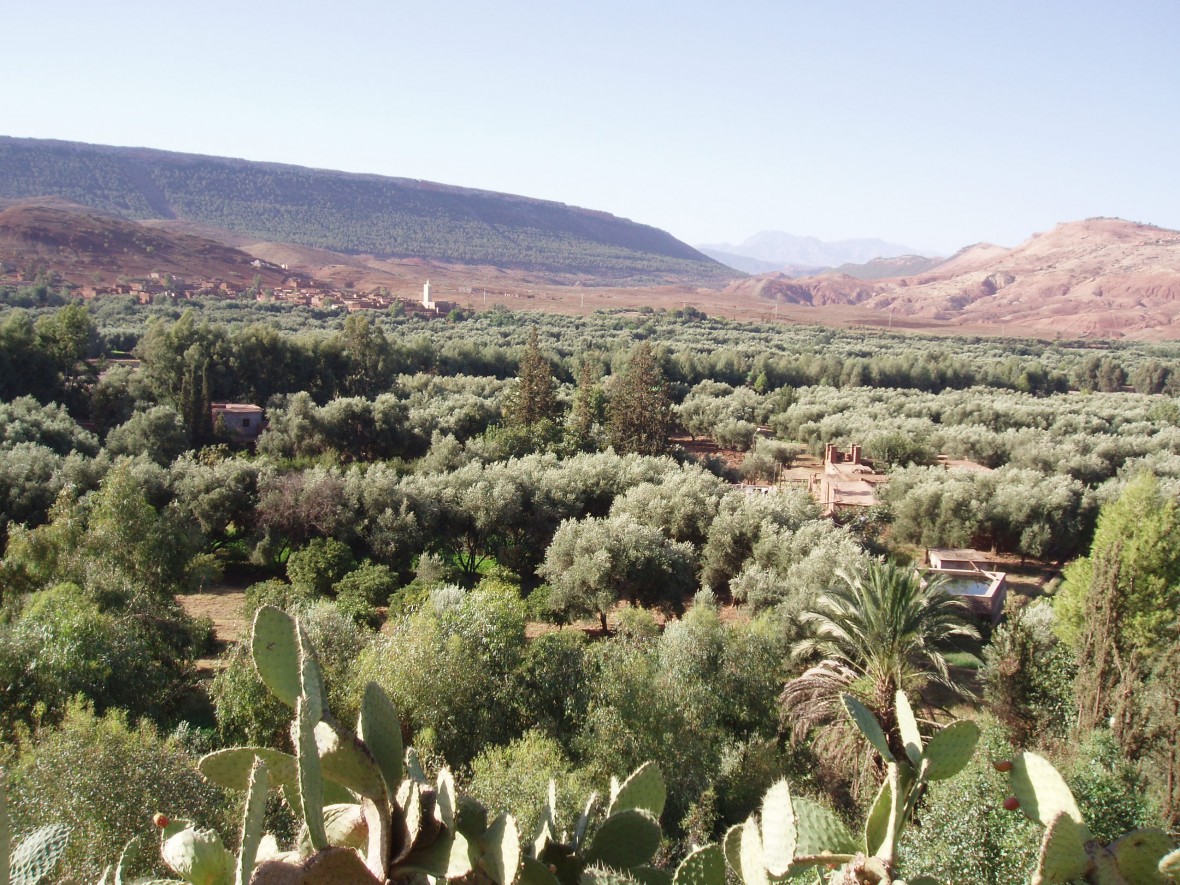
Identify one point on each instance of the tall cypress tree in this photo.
(586, 408)
(534, 398)
(640, 414)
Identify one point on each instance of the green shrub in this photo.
(320, 564)
(553, 684)
(638, 713)
(247, 713)
(64, 645)
(280, 594)
(447, 668)
(361, 591)
(965, 834)
(515, 778)
(1028, 677)
(1112, 797)
(103, 778)
(538, 608)
(636, 622)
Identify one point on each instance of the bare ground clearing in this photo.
(224, 603)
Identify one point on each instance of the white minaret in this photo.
(426, 302)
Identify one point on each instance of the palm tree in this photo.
(879, 631)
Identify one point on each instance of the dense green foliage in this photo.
(394, 217)
(103, 778)
(400, 485)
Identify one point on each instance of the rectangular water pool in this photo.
(967, 586)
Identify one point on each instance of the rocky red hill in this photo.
(93, 250)
(1100, 277)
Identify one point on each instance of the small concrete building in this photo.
(242, 421)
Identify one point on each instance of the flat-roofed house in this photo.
(846, 480)
(242, 421)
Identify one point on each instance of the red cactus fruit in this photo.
(1011, 803)
(160, 820)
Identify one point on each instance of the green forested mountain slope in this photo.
(346, 212)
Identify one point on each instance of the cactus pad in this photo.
(752, 868)
(333, 866)
(533, 872)
(410, 801)
(275, 647)
(779, 834)
(820, 830)
(346, 827)
(704, 866)
(311, 787)
(868, 725)
(1170, 864)
(646, 875)
(907, 727)
(731, 847)
(1139, 853)
(1063, 856)
(643, 789)
(311, 680)
(252, 822)
(951, 749)
(414, 767)
(231, 768)
(127, 857)
(348, 762)
(444, 799)
(604, 876)
(450, 857)
(380, 729)
(197, 855)
(877, 822)
(584, 820)
(501, 850)
(39, 853)
(471, 818)
(1042, 792)
(626, 839)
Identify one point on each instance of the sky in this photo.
(930, 124)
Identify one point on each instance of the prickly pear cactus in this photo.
(794, 834)
(196, 855)
(36, 856)
(614, 848)
(1068, 851)
(369, 812)
(34, 859)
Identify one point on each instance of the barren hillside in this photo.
(1103, 276)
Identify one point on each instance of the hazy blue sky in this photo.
(932, 124)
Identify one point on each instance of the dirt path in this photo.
(224, 604)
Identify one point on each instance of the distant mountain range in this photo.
(350, 213)
(771, 251)
(1100, 277)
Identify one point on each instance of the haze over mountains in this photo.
(358, 214)
(770, 251)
